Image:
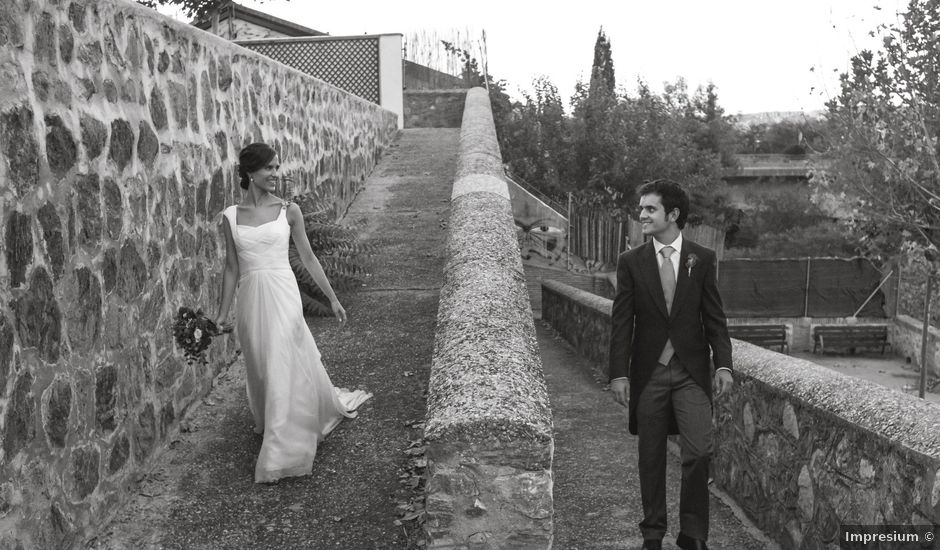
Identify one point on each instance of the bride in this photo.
(290, 395)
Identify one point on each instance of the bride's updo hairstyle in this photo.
(252, 158)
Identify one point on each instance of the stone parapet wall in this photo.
(803, 449)
(434, 108)
(582, 317)
(489, 427)
(906, 340)
(119, 131)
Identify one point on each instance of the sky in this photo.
(761, 55)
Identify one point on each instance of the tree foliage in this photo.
(611, 142)
(886, 123)
(785, 137)
(194, 9)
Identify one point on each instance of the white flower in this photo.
(197, 334)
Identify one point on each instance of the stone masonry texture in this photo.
(119, 134)
(489, 427)
(800, 448)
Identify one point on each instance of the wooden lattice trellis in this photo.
(351, 64)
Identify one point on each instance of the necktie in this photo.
(667, 277)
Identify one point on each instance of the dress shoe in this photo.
(688, 543)
(652, 544)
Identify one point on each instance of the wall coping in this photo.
(437, 91)
(903, 419)
(917, 325)
(486, 378)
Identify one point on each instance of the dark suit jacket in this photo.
(640, 324)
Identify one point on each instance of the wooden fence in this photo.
(597, 236)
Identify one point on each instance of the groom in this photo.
(666, 314)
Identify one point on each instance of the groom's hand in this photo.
(619, 389)
(724, 381)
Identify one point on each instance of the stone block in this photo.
(179, 104)
(19, 246)
(66, 43)
(120, 452)
(7, 496)
(150, 55)
(58, 410)
(20, 148)
(90, 54)
(59, 531)
(193, 106)
(208, 107)
(84, 313)
(133, 273)
(6, 350)
(42, 85)
(225, 73)
(167, 417)
(89, 88)
(110, 91)
(109, 269)
(164, 62)
(112, 52)
(147, 145)
(158, 108)
(52, 235)
(122, 143)
(130, 91)
(145, 433)
(38, 320)
(10, 31)
(44, 40)
(20, 426)
(87, 193)
(94, 136)
(176, 63)
(113, 208)
(154, 255)
(106, 398)
(61, 150)
(133, 52)
(83, 471)
(77, 16)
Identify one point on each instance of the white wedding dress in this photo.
(290, 395)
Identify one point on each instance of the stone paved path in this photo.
(202, 495)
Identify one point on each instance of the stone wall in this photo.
(800, 448)
(489, 427)
(434, 108)
(422, 77)
(906, 342)
(119, 131)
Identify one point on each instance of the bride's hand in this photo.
(338, 311)
(222, 325)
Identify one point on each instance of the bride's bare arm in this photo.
(299, 234)
(230, 273)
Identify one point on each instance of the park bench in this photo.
(766, 336)
(850, 337)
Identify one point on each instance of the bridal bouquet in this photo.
(193, 332)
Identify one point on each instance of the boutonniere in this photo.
(690, 262)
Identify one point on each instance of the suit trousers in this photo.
(671, 390)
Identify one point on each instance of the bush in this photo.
(337, 247)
